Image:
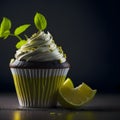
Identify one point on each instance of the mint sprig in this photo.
(21, 29)
(40, 21)
(20, 43)
(5, 32)
(5, 27)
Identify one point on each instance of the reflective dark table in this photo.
(103, 107)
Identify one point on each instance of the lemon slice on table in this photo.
(70, 97)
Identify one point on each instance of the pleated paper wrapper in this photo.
(38, 87)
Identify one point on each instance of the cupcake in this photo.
(39, 67)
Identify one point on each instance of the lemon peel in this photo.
(70, 97)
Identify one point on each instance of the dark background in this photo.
(87, 31)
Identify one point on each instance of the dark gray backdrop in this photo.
(84, 28)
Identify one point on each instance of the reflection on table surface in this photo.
(44, 115)
(101, 108)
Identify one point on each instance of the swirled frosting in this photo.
(40, 47)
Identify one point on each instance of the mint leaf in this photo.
(21, 29)
(20, 43)
(6, 34)
(40, 21)
(5, 26)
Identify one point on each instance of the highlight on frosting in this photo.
(40, 47)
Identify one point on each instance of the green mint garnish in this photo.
(21, 29)
(5, 34)
(5, 26)
(40, 21)
(20, 43)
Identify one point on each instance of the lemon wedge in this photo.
(70, 97)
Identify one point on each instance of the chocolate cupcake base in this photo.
(37, 87)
